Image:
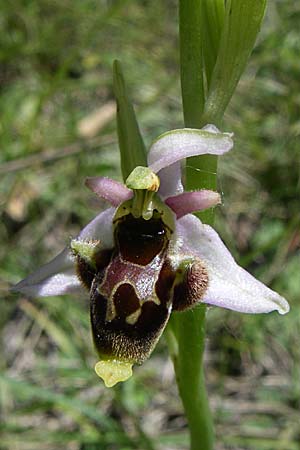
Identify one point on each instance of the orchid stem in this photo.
(189, 327)
(216, 40)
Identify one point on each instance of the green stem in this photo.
(189, 327)
(191, 68)
(216, 39)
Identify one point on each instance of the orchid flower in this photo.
(147, 256)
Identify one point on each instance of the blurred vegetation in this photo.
(55, 71)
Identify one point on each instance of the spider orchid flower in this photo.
(147, 256)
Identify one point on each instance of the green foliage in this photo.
(132, 148)
(241, 24)
(56, 68)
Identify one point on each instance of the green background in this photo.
(55, 70)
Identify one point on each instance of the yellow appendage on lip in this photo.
(112, 371)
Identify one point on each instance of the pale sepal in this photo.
(229, 285)
(170, 181)
(55, 278)
(58, 277)
(100, 228)
(176, 145)
(168, 150)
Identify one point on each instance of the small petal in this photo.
(230, 286)
(58, 277)
(176, 145)
(110, 190)
(55, 278)
(189, 202)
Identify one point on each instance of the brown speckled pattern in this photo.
(192, 288)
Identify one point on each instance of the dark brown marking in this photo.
(151, 318)
(86, 272)
(165, 283)
(102, 259)
(140, 240)
(126, 301)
